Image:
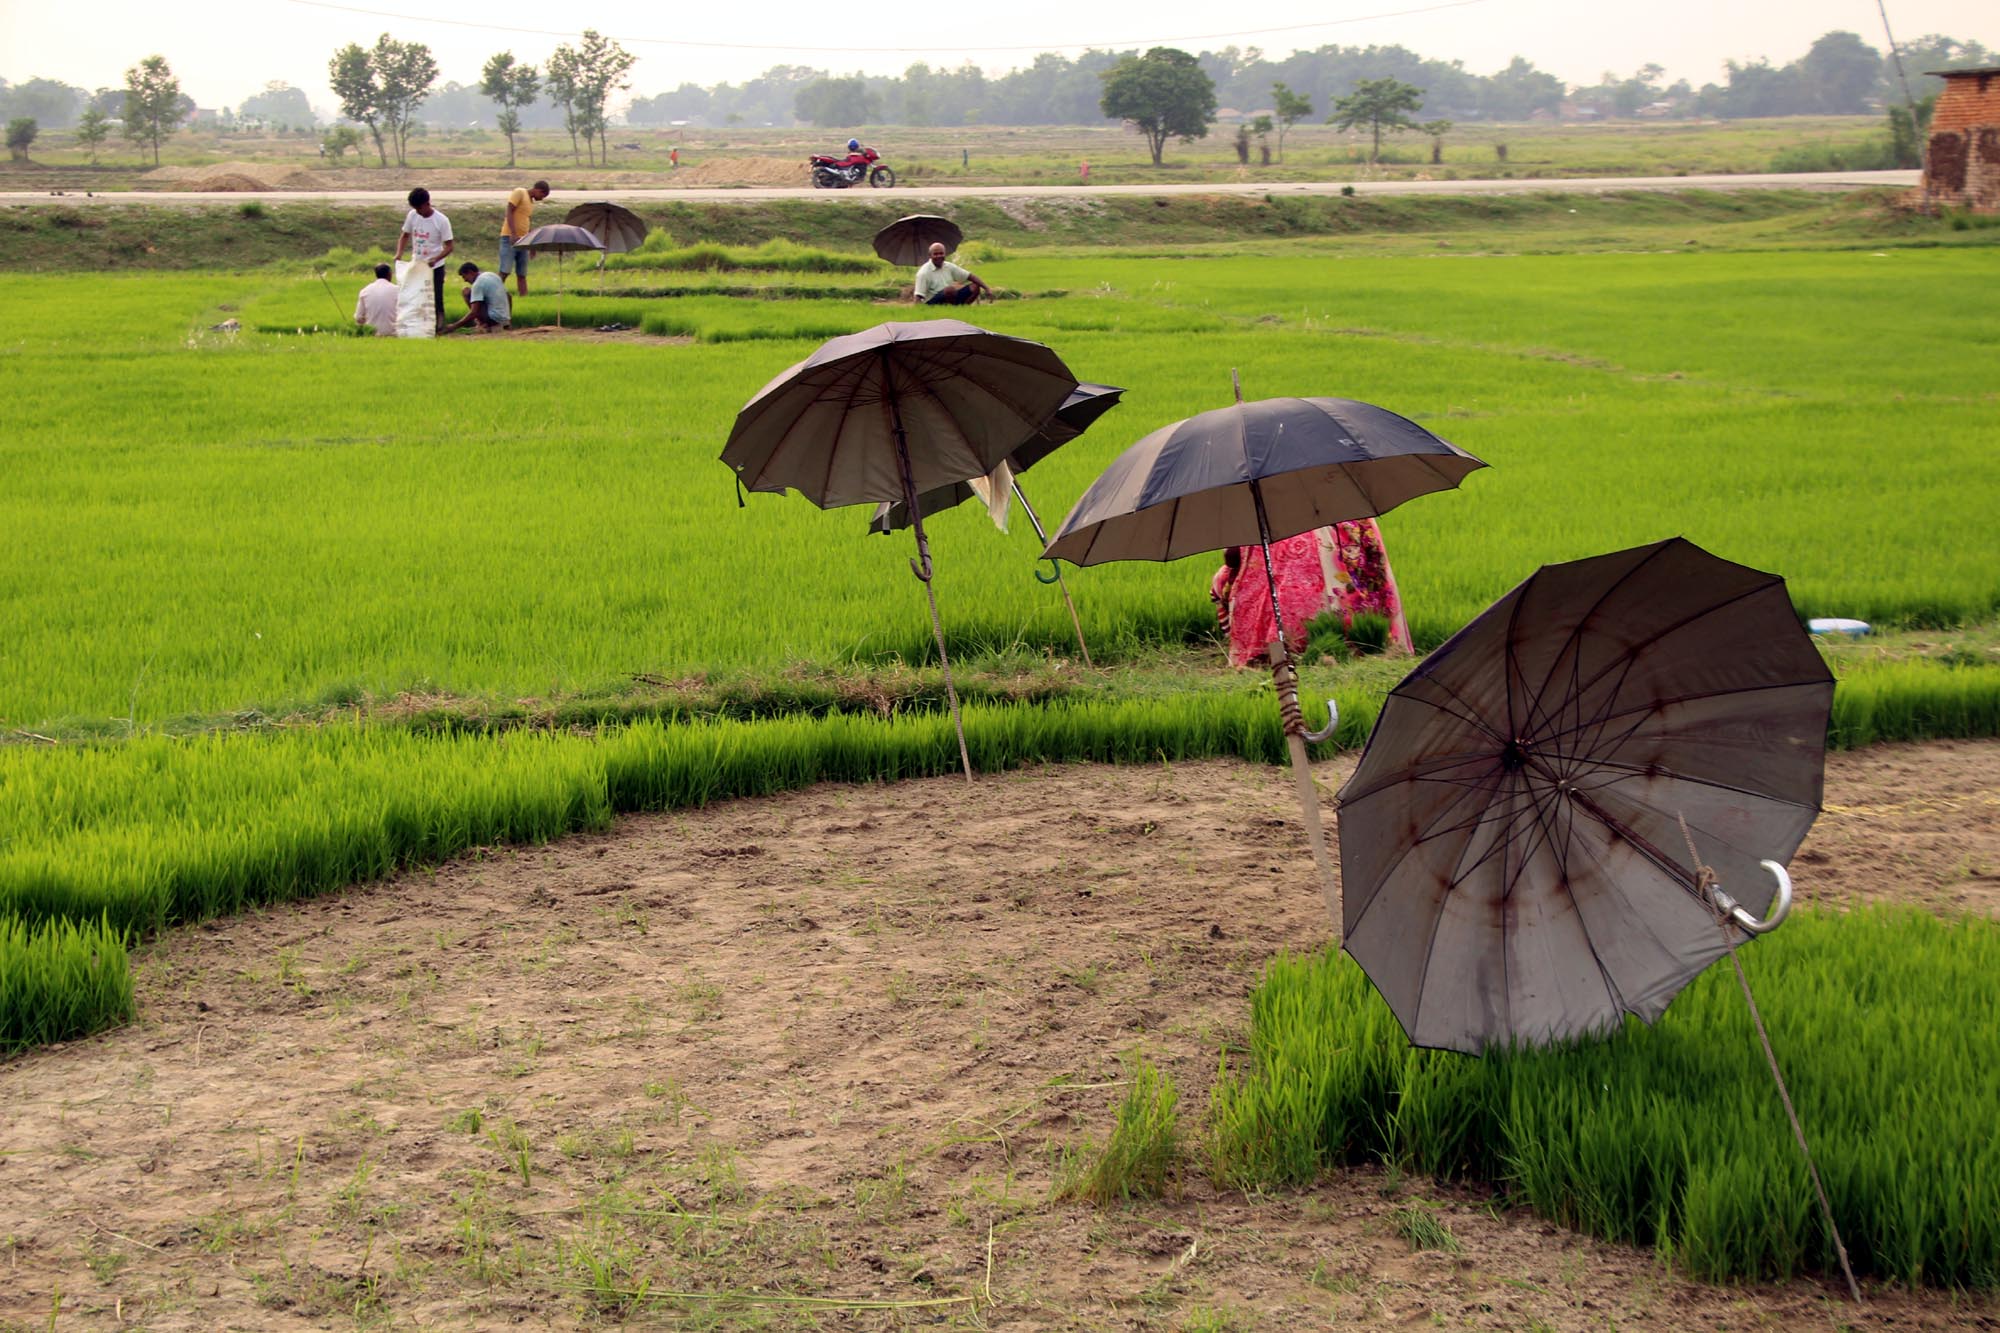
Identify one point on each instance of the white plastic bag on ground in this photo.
(416, 303)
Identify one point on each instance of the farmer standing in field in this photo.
(376, 306)
(519, 222)
(427, 234)
(941, 282)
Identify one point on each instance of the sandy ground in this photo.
(832, 1043)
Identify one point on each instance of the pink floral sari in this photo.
(1343, 568)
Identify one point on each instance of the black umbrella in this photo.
(907, 241)
(559, 238)
(1249, 475)
(1512, 843)
(898, 410)
(1086, 403)
(618, 227)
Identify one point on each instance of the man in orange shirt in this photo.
(520, 221)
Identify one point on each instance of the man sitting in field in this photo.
(376, 306)
(486, 305)
(941, 282)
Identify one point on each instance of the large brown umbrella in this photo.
(1583, 799)
(619, 228)
(1250, 475)
(896, 411)
(559, 238)
(907, 241)
(1086, 403)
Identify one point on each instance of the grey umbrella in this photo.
(907, 241)
(1086, 403)
(619, 228)
(559, 238)
(896, 411)
(1249, 475)
(1511, 844)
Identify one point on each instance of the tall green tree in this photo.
(1162, 94)
(1289, 108)
(1841, 73)
(565, 88)
(1380, 104)
(512, 85)
(830, 102)
(352, 75)
(279, 106)
(603, 67)
(154, 107)
(92, 130)
(21, 133)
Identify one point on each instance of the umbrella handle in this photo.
(1736, 912)
(1332, 724)
(1053, 576)
(922, 571)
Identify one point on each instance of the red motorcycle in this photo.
(837, 173)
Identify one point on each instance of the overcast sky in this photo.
(224, 50)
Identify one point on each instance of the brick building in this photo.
(1962, 162)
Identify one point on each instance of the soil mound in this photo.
(234, 177)
(744, 171)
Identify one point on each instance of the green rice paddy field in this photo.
(270, 593)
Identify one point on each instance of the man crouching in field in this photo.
(486, 304)
(942, 282)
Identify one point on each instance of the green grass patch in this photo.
(774, 256)
(1673, 1137)
(60, 979)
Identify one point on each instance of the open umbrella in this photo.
(1086, 403)
(1518, 845)
(896, 411)
(619, 228)
(559, 238)
(1249, 475)
(907, 241)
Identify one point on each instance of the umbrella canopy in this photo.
(1510, 845)
(1198, 484)
(907, 241)
(1085, 404)
(619, 228)
(559, 238)
(828, 427)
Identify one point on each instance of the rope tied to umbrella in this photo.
(1706, 887)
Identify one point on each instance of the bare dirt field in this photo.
(821, 1053)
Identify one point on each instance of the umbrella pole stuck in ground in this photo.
(921, 566)
(1058, 580)
(1285, 677)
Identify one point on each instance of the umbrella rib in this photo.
(1560, 848)
(1400, 857)
(1437, 926)
(1603, 596)
(1635, 770)
(1420, 773)
(1470, 716)
(1675, 701)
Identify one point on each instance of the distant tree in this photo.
(603, 68)
(50, 103)
(1243, 144)
(1841, 74)
(382, 88)
(830, 102)
(1437, 129)
(280, 106)
(352, 75)
(564, 84)
(337, 140)
(21, 132)
(1936, 51)
(154, 107)
(512, 85)
(1380, 104)
(1162, 94)
(93, 129)
(1290, 108)
(1908, 128)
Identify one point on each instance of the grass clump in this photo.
(774, 256)
(1672, 1137)
(60, 979)
(1418, 1223)
(1143, 1157)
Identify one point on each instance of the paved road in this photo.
(1809, 180)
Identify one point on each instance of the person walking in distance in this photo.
(941, 282)
(427, 236)
(519, 222)
(376, 306)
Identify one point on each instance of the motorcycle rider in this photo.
(941, 282)
(855, 157)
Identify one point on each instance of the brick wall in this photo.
(1962, 160)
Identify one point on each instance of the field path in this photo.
(1809, 180)
(829, 1042)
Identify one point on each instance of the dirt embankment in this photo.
(830, 1044)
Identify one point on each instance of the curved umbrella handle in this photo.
(1782, 908)
(922, 571)
(1053, 576)
(1332, 724)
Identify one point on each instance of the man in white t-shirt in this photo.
(376, 306)
(427, 235)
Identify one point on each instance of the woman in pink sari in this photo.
(1342, 568)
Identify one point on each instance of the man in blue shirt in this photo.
(486, 303)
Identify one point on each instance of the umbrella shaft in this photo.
(1270, 574)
